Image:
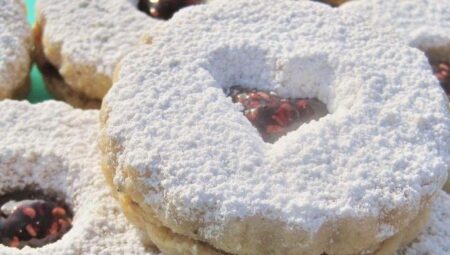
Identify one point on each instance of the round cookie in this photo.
(423, 24)
(435, 239)
(80, 42)
(190, 168)
(49, 155)
(15, 48)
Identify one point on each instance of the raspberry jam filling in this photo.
(274, 116)
(30, 218)
(442, 72)
(164, 9)
(329, 2)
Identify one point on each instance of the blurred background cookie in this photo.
(80, 42)
(15, 49)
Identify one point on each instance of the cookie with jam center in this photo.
(187, 161)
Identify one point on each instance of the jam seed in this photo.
(53, 229)
(58, 212)
(273, 129)
(302, 104)
(154, 12)
(64, 224)
(31, 231)
(29, 212)
(15, 242)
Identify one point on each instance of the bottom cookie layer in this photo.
(54, 81)
(20, 92)
(172, 243)
(62, 91)
(23, 90)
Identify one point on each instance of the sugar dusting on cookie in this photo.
(110, 28)
(435, 239)
(15, 44)
(52, 147)
(423, 24)
(383, 145)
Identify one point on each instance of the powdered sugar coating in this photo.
(421, 23)
(52, 146)
(435, 240)
(424, 24)
(15, 44)
(94, 32)
(380, 148)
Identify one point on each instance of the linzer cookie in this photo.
(53, 197)
(423, 24)
(80, 42)
(15, 49)
(285, 128)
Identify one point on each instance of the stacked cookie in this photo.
(80, 42)
(245, 196)
(231, 127)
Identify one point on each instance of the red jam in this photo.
(164, 9)
(34, 221)
(274, 116)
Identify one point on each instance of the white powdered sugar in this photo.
(383, 146)
(424, 24)
(54, 147)
(421, 23)
(435, 239)
(94, 32)
(15, 43)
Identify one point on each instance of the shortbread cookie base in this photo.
(61, 91)
(171, 243)
(24, 89)
(21, 91)
(173, 239)
(77, 77)
(55, 82)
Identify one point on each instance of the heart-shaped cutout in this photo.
(274, 116)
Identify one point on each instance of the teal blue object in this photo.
(38, 91)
